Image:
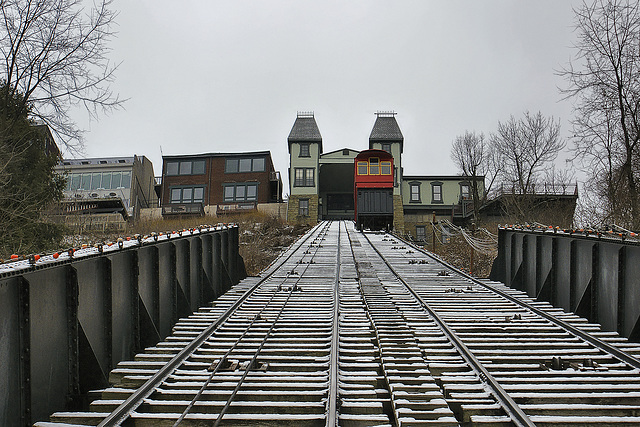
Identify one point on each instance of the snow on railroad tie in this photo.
(374, 339)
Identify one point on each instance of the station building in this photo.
(321, 185)
(218, 183)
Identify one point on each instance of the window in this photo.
(421, 234)
(198, 167)
(176, 195)
(106, 180)
(229, 193)
(185, 167)
(99, 181)
(386, 146)
(303, 207)
(374, 166)
(187, 194)
(363, 168)
(436, 193)
(126, 180)
(385, 168)
(96, 180)
(304, 150)
(304, 177)
(414, 192)
(245, 165)
(198, 194)
(75, 181)
(242, 192)
(85, 181)
(258, 165)
(172, 168)
(464, 192)
(252, 192)
(231, 166)
(116, 178)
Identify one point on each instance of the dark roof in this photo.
(386, 129)
(204, 155)
(305, 129)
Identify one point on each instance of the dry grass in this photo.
(457, 252)
(262, 237)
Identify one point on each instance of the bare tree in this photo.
(524, 148)
(604, 79)
(471, 153)
(55, 57)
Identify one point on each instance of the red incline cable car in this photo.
(373, 190)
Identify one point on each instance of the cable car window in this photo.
(362, 168)
(385, 168)
(374, 166)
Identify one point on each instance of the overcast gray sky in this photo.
(218, 76)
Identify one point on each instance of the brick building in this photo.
(218, 183)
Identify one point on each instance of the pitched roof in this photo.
(386, 129)
(305, 129)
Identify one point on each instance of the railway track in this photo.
(354, 329)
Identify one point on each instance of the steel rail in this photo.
(118, 415)
(251, 363)
(332, 393)
(264, 340)
(576, 332)
(396, 421)
(222, 360)
(511, 408)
